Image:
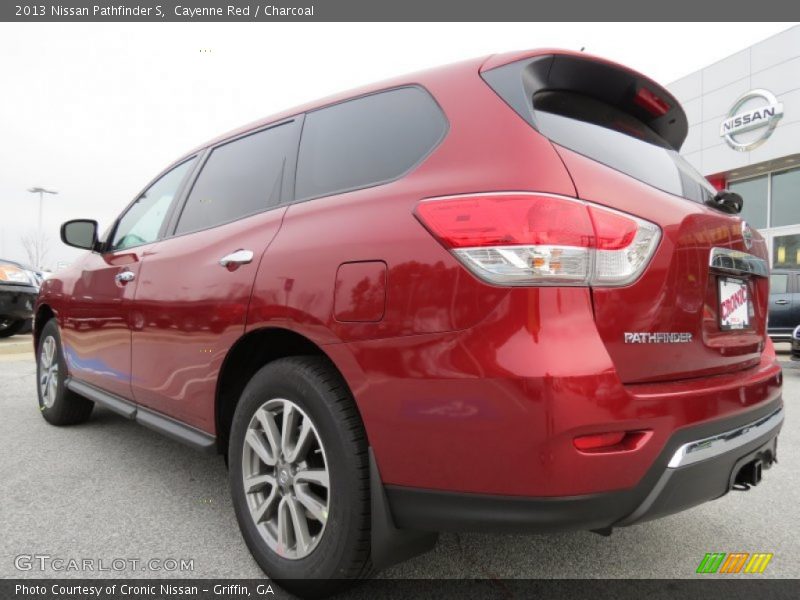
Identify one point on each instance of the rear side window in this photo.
(240, 178)
(615, 138)
(367, 141)
(778, 283)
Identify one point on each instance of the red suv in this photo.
(490, 296)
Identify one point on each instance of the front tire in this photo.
(299, 476)
(59, 405)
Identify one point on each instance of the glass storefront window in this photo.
(786, 251)
(754, 193)
(786, 198)
(778, 283)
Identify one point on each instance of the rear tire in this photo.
(59, 405)
(310, 533)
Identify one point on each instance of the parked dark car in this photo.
(19, 286)
(784, 304)
(796, 343)
(490, 296)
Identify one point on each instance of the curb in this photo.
(22, 347)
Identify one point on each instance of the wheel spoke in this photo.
(53, 389)
(318, 476)
(304, 439)
(260, 512)
(256, 482)
(289, 423)
(311, 503)
(284, 527)
(259, 447)
(271, 432)
(50, 348)
(300, 525)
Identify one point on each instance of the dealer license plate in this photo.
(734, 304)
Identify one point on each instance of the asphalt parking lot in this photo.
(110, 489)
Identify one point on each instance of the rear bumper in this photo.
(705, 462)
(17, 301)
(780, 336)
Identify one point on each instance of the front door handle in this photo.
(125, 277)
(781, 301)
(234, 259)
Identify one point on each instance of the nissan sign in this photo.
(751, 120)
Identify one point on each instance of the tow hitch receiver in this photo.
(749, 475)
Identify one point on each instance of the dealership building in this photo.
(744, 134)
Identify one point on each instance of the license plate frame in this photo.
(736, 315)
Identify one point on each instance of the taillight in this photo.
(537, 239)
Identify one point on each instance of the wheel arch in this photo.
(43, 314)
(249, 354)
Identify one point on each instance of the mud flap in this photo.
(391, 545)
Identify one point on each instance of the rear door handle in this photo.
(234, 259)
(781, 301)
(125, 277)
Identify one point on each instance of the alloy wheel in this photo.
(48, 371)
(285, 478)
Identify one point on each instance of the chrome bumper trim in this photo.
(736, 262)
(692, 452)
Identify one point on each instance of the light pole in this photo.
(41, 191)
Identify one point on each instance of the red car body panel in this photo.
(95, 312)
(190, 312)
(462, 386)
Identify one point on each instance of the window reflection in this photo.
(754, 193)
(786, 198)
(786, 251)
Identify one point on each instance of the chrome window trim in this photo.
(692, 452)
(736, 262)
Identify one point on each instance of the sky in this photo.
(95, 111)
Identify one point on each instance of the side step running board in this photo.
(171, 428)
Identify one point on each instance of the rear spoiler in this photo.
(631, 92)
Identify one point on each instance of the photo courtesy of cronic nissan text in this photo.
(374, 300)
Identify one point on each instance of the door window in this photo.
(240, 178)
(778, 283)
(142, 222)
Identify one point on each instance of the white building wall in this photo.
(707, 96)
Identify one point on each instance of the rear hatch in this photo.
(700, 306)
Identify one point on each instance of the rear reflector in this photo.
(598, 440)
(612, 441)
(521, 238)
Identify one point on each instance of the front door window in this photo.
(142, 222)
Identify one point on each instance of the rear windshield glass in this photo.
(615, 138)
